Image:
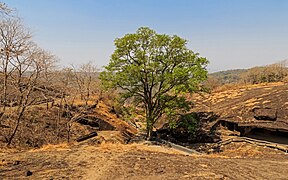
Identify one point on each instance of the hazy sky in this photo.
(230, 33)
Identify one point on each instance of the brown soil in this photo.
(92, 160)
(139, 161)
(42, 126)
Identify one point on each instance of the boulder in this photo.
(87, 136)
(265, 114)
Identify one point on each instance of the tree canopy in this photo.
(4, 10)
(154, 69)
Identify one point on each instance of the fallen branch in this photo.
(87, 136)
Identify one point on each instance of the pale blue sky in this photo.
(230, 33)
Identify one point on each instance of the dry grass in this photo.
(227, 87)
(53, 147)
(251, 102)
(243, 150)
(7, 150)
(79, 102)
(264, 102)
(137, 147)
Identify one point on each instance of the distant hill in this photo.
(260, 74)
(229, 76)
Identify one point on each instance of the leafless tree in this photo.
(64, 84)
(15, 40)
(28, 68)
(86, 80)
(265, 74)
(22, 64)
(4, 10)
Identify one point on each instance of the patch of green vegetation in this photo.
(189, 122)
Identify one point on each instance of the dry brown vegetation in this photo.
(225, 80)
(40, 103)
(44, 110)
(138, 161)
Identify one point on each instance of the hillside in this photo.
(108, 156)
(238, 104)
(141, 104)
(54, 123)
(139, 161)
(257, 111)
(229, 76)
(260, 74)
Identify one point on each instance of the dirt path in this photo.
(149, 165)
(112, 161)
(98, 168)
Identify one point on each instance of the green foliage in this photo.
(189, 122)
(173, 124)
(154, 69)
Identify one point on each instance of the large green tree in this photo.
(154, 70)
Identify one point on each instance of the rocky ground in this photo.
(141, 161)
(106, 157)
(265, 104)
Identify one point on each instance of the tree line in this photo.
(149, 70)
(277, 72)
(29, 75)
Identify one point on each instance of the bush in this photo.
(285, 79)
(211, 83)
(271, 73)
(188, 122)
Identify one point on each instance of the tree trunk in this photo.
(149, 128)
(13, 133)
(15, 129)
